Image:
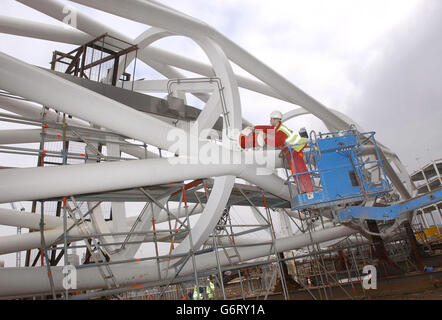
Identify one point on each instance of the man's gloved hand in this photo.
(247, 131)
(260, 136)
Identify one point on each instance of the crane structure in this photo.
(106, 138)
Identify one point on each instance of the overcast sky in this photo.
(378, 61)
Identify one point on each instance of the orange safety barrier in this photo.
(264, 200)
(270, 217)
(187, 186)
(136, 286)
(205, 190)
(184, 197)
(428, 233)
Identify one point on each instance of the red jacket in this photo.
(273, 137)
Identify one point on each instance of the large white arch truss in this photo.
(93, 111)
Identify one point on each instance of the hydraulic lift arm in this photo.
(390, 212)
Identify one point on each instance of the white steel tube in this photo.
(34, 111)
(44, 182)
(25, 219)
(31, 220)
(44, 31)
(17, 136)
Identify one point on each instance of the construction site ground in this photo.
(409, 286)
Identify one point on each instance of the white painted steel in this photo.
(18, 136)
(29, 220)
(45, 182)
(44, 31)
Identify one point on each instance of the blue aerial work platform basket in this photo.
(338, 171)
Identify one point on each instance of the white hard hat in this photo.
(276, 115)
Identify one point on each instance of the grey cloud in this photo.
(401, 95)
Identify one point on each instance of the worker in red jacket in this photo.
(278, 135)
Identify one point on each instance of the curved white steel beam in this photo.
(25, 241)
(44, 182)
(294, 113)
(17, 136)
(29, 220)
(33, 111)
(23, 108)
(43, 31)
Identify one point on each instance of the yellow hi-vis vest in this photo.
(293, 139)
(210, 289)
(196, 294)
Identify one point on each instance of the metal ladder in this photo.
(106, 272)
(222, 227)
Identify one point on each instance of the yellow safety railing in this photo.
(432, 232)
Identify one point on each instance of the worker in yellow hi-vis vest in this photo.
(196, 294)
(210, 290)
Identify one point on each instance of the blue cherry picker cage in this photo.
(338, 170)
(341, 176)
